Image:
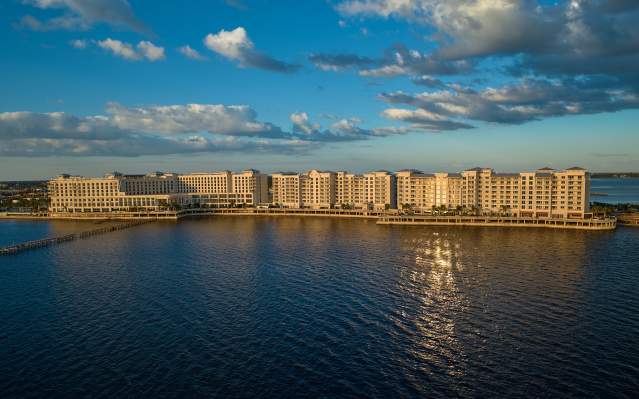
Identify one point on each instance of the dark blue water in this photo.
(17, 231)
(618, 191)
(311, 307)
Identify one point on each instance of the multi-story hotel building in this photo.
(542, 193)
(156, 191)
(380, 190)
(349, 190)
(318, 189)
(287, 189)
(313, 189)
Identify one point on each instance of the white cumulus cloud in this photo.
(150, 51)
(143, 50)
(191, 53)
(237, 46)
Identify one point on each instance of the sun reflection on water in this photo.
(431, 266)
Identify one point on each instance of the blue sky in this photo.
(91, 86)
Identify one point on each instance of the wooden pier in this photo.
(579, 224)
(628, 219)
(46, 242)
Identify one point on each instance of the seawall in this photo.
(392, 217)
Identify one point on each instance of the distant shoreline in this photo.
(615, 175)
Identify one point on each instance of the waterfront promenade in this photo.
(390, 217)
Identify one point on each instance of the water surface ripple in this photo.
(311, 307)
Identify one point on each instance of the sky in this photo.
(92, 86)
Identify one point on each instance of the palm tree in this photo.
(504, 210)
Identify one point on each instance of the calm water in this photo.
(617, 190)
(17, 231)
(304, 307)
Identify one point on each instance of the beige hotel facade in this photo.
(541, 193)
(324, 190)
(156, 191)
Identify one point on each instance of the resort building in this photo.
(314, 189)
(479, 191)
(318, 189)
(349, 191)
(156, 191)
(426, 192)
(380, 190)
(287, 189)
(112, 193)
(542, 193)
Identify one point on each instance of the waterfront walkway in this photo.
(581, 224)
(628, 219)
(385, 217)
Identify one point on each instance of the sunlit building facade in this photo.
(318, 189)
(349, 190)
(543, 193)
(287, 189)
(380, 190)
(481, 191)
(156, 191)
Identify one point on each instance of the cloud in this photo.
(386, 71)
(566, 38)
(121, 49)
(421, 119)
(340, 130)
(397, 61)
(176, 130)
(551, 58)
(337, 62)
(79, 43)
(469, 28)
(521, 102)
(230, 120)
(143, 50)
(150, 51)
(136, 145)
(82, 14)
(383, 8)
(237, 4)
(428, 81)
(301, 123)
(170, 129)
(237, 46)
(191, 53)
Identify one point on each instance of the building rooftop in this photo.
(286, 173)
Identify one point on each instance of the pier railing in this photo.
(381, 216)
(628, 219)
(370, 214)
(582, 224)
(45, 242)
